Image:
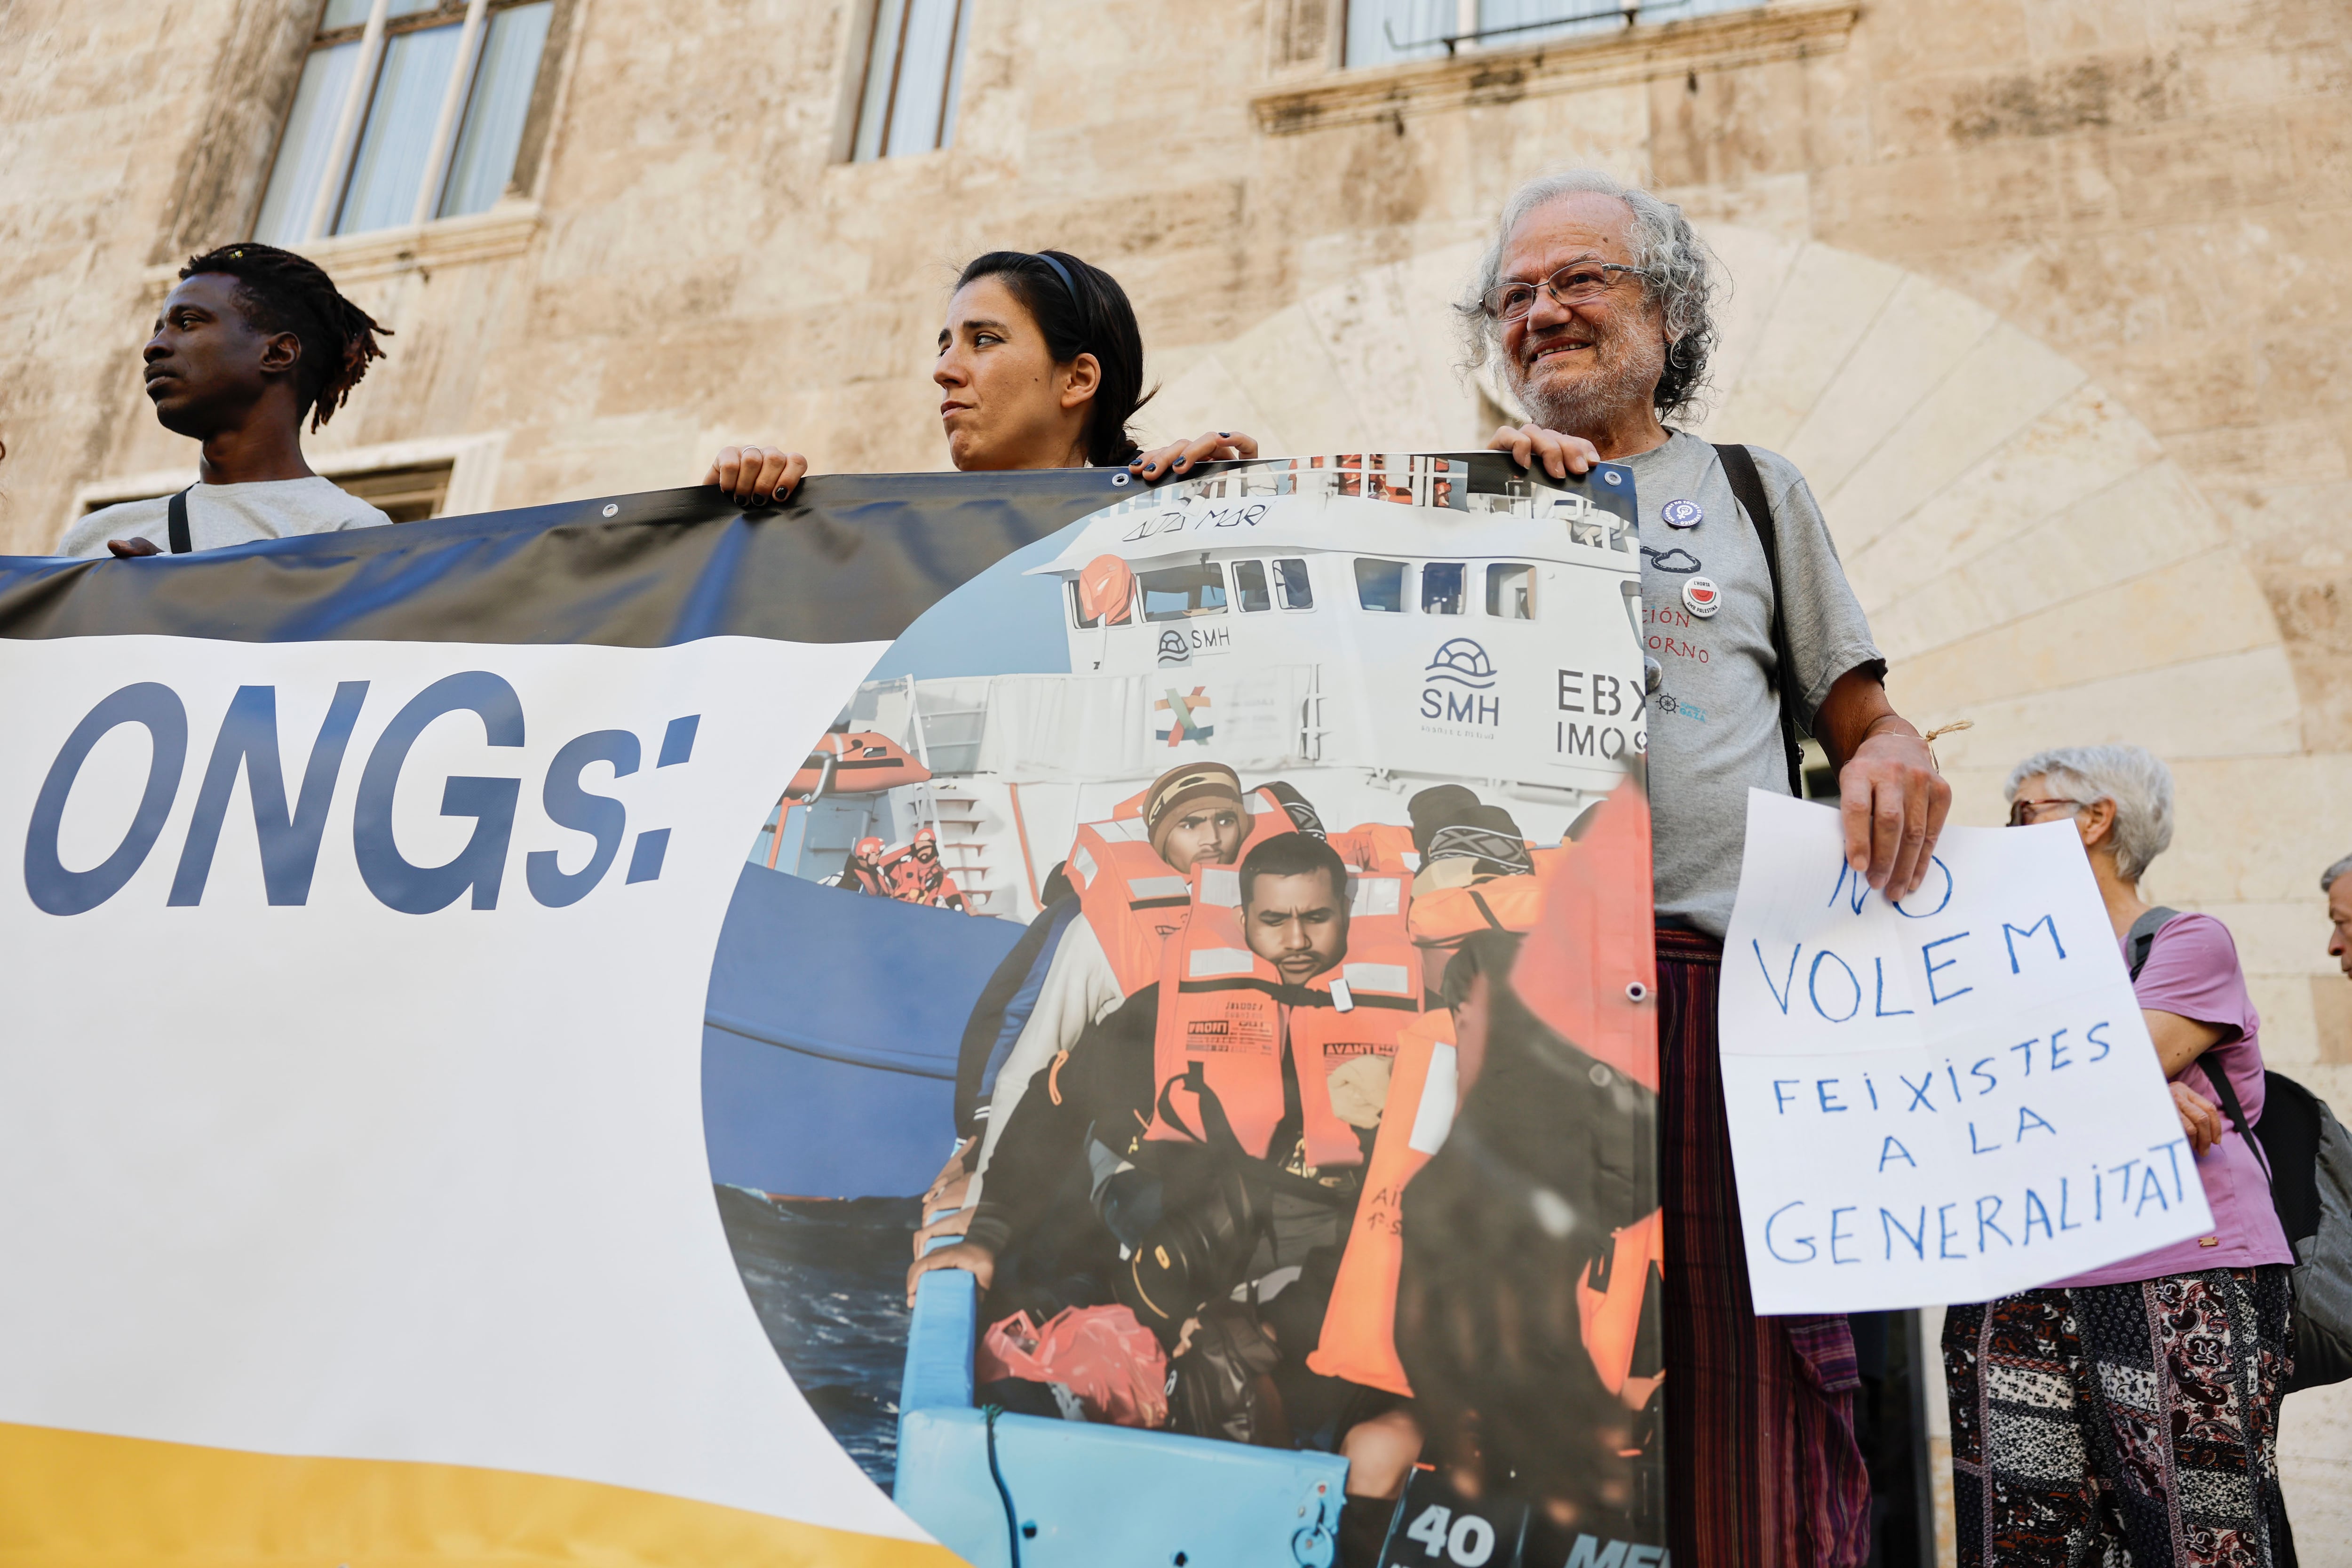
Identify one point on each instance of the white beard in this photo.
(1620, 383)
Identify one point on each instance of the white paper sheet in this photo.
(1944, 1100)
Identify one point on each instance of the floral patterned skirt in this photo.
(2123, 1425)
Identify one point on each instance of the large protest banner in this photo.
(487, 996)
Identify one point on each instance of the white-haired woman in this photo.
(2131, 1414)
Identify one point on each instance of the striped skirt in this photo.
(1762, 1471)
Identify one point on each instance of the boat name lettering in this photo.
(1177, 520)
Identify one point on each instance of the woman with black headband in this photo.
(1040, 366)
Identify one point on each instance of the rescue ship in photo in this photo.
(1301, 620)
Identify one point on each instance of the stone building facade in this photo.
(2052, 298)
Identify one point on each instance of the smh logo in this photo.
(290, 838)
(1462, 662)
(1457, 675)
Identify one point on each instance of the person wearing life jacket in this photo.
(932, 885)
(863, 873)
(1478, 873)
(1192, 814)
(1239, 1087)
(1545, 1191)
(991, 1031)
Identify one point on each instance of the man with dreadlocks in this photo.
(253, 339)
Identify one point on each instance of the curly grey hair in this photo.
(1679, 273)
(2136, 779)
(2327, 878)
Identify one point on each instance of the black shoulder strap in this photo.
(178, 509)
(2142, 935)
(2237, 1112)
(1748, 486)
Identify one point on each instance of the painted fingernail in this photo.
(1181, 461)
(1226, 434)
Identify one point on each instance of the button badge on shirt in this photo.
(1701, 597)
(1681, 514)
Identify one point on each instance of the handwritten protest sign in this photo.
(1944, 1100)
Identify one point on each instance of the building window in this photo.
(409, 493)
(1382, 32)
(407, 110)
(914, 61)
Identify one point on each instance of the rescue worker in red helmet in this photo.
(1232, 1209)
(925, 849)
(928, 880)
(863, 873)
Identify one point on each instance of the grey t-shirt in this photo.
(1714, 729)
(221, 515)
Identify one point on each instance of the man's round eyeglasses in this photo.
(1578, 283)
(2021, 812)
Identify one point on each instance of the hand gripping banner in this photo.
(1013, 1017)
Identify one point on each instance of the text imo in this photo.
(289, 839)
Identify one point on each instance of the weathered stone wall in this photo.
(2053, 298)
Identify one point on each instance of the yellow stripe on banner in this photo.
(76, 1499)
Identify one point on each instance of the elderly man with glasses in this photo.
(1595, 300)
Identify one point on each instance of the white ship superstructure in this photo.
(1294, 621)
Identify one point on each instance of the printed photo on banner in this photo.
(1199, 988)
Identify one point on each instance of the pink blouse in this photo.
(2192, 971)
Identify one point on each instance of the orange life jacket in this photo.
(1221, 1018)
(1442, 917)
(1588, 968)
(1616, 1295)
(1383, 846)
(1358, 1339)
(1132, 899)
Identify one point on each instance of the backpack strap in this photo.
(2229, 1097)
(179, 523)
(1748, 488)
(2142, 935)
